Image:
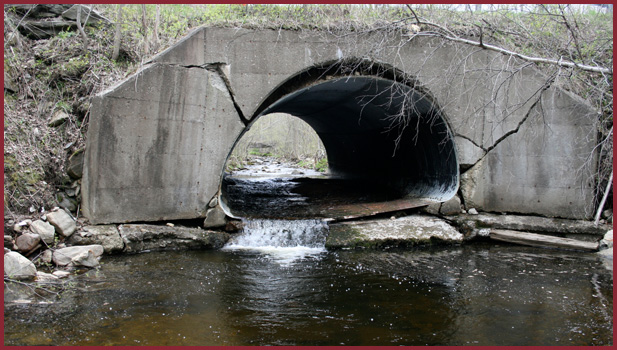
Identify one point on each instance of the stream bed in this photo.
(476, 294)
(277, 284)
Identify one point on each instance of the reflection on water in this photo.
(481, 294)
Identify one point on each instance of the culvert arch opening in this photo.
(388, 148)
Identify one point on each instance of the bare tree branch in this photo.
(562, 63)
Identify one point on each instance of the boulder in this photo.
(44, 29)
(75, 165)
(86, 12)
(62, 221)
(64, 256)
(85, 258)
(384, 233)
(19, 267)
(66, 202)
(106, 235)
(138, 238)
(58, 118)
(27, 241)
(607, 240)
(451, 207)
(432, 208)
(39, 10)
(44, 230)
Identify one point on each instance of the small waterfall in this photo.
(285, 240)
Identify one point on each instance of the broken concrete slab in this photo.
(544, 241)
(535, 224)
(106, 235)
(383, 233)
(139, 238)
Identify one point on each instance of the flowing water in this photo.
(269, 288)
(276, 284)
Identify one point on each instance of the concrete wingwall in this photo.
(157, 142)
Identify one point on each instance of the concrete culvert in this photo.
(380, 135)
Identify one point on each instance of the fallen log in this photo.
(536, 240)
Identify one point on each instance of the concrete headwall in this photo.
(157, 142)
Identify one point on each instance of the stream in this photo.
(276, 284)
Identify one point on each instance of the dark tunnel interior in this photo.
(378, 131)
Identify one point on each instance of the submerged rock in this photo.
(43, 277)
(382, 233)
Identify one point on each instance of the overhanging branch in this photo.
(449, 35)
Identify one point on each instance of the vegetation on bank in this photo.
(57, 76)
(280, 136)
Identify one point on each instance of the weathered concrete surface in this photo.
(139, 238)
(567, 228)
(545, 241)
(540, 168)
(107, 236)
(157, 142)
(404, 231)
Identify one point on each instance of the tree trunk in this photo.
(144, 28)
(84, 37)
(157, 23)
(116, 52)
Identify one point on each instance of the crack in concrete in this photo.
(520, 123)
(511, 132)
(217, 67)
(470, 140)
(225, 78)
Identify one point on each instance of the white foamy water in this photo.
(281, 240)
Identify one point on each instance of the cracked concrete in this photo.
(157, 141)
(154, 152)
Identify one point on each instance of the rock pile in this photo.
(44, 236)
(60, 241)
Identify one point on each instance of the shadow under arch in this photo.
(380, 130)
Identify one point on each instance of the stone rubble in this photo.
(62, 221)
